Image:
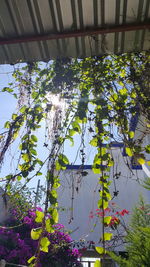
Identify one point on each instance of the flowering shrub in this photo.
(16, 245)
(116, 216)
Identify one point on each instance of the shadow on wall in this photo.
(4, 207)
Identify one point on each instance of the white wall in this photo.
(85, 198)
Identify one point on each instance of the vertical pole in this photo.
(37, 192)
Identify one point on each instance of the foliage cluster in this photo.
(111, 85)
(17, 246)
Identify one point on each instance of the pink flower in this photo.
(107, 210)
(91, 215)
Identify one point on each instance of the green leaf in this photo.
(123, 91)
(7, 125)
(61, 162)
(72, 132)
(100, 250)
(76, 127)
(33, 152)
(25, 157)
(19, 177)
(70, 139)
(39, 216)
(129, 151)
(35, 233)
(54, 193)
(49, 227)
(56, 183)
(44, 244)
(97, 263)
(39, 173)
(94, 142)
(147, 149)
(14, 116)
(34, 94)
(15, 95)
(53, 197)
(58, 166)
(63, 158)
(34, 138)
(40, 162)
(107, 236)
(7, 89)
(23, 109)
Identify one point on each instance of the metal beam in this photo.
(77, 33)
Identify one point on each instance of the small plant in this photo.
(137, 238)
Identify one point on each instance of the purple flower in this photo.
(59, 226)
(27, 220)
(75, 252)
(39, 209)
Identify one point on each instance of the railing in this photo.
(107, 263)
(87, 263)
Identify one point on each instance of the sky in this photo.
(9, 106)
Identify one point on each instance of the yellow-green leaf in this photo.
(55, 215)
(121, 83)
(103, 203)
(141, 161)
(133, 95)
(44, 244)
(97, 263)
(129, 151)
(100, 250)
(96, 170)
(31, 259)
(131, 134)
(39, 216)
(70, 139)
(49, 227)
(7, 124)
(107, 219)
(123, 91)
(107, 236)
(26, 157)
(35, 233)
(93, 142)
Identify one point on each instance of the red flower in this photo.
(123, 212)
(114, 220)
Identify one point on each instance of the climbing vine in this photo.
(105, 94)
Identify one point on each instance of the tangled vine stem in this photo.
(100, 92)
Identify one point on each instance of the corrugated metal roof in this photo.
(33, 30)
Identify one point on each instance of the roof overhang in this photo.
(45, 29)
